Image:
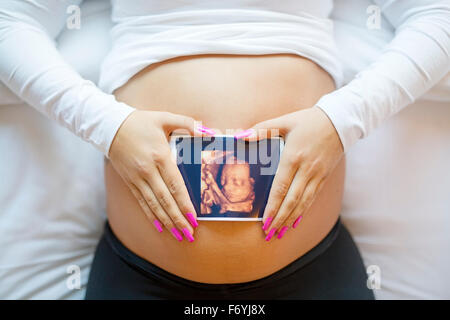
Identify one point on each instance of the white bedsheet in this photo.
(396, 201)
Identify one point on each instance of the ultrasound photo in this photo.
(228, 179)
(228, 186)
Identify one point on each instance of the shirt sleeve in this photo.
(33, 69)
(415, 60)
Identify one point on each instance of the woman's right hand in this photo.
(141, 155)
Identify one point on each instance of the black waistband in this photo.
(152, 270)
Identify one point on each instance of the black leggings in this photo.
(331, 270)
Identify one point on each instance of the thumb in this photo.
(180, 124)
(275, 127)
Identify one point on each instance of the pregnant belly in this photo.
(225, 92)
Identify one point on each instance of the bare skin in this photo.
(225, 92)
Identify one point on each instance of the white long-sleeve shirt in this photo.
(32, 68)
(415, 60)
(150, 31)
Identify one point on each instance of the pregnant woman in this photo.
(226, 92)
(232, 65)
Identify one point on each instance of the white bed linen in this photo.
(396, 200)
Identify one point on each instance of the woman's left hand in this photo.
(312, 150)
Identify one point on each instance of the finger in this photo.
(177, 188)
(166, 200)
(291, 200)
(178, 122)
(155, 207)
(280, 186)
(311, 190)
(141, 200)
(185, 125)
(266, 129)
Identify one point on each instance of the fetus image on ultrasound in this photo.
(226, 183)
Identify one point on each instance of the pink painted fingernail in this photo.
(177, 234)
(270, 234)
(296, 222)
(158, 225)
(244, 133)
(188, 235)
(192, 220)
(267, 223)
(207, 130)
(283, 230)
